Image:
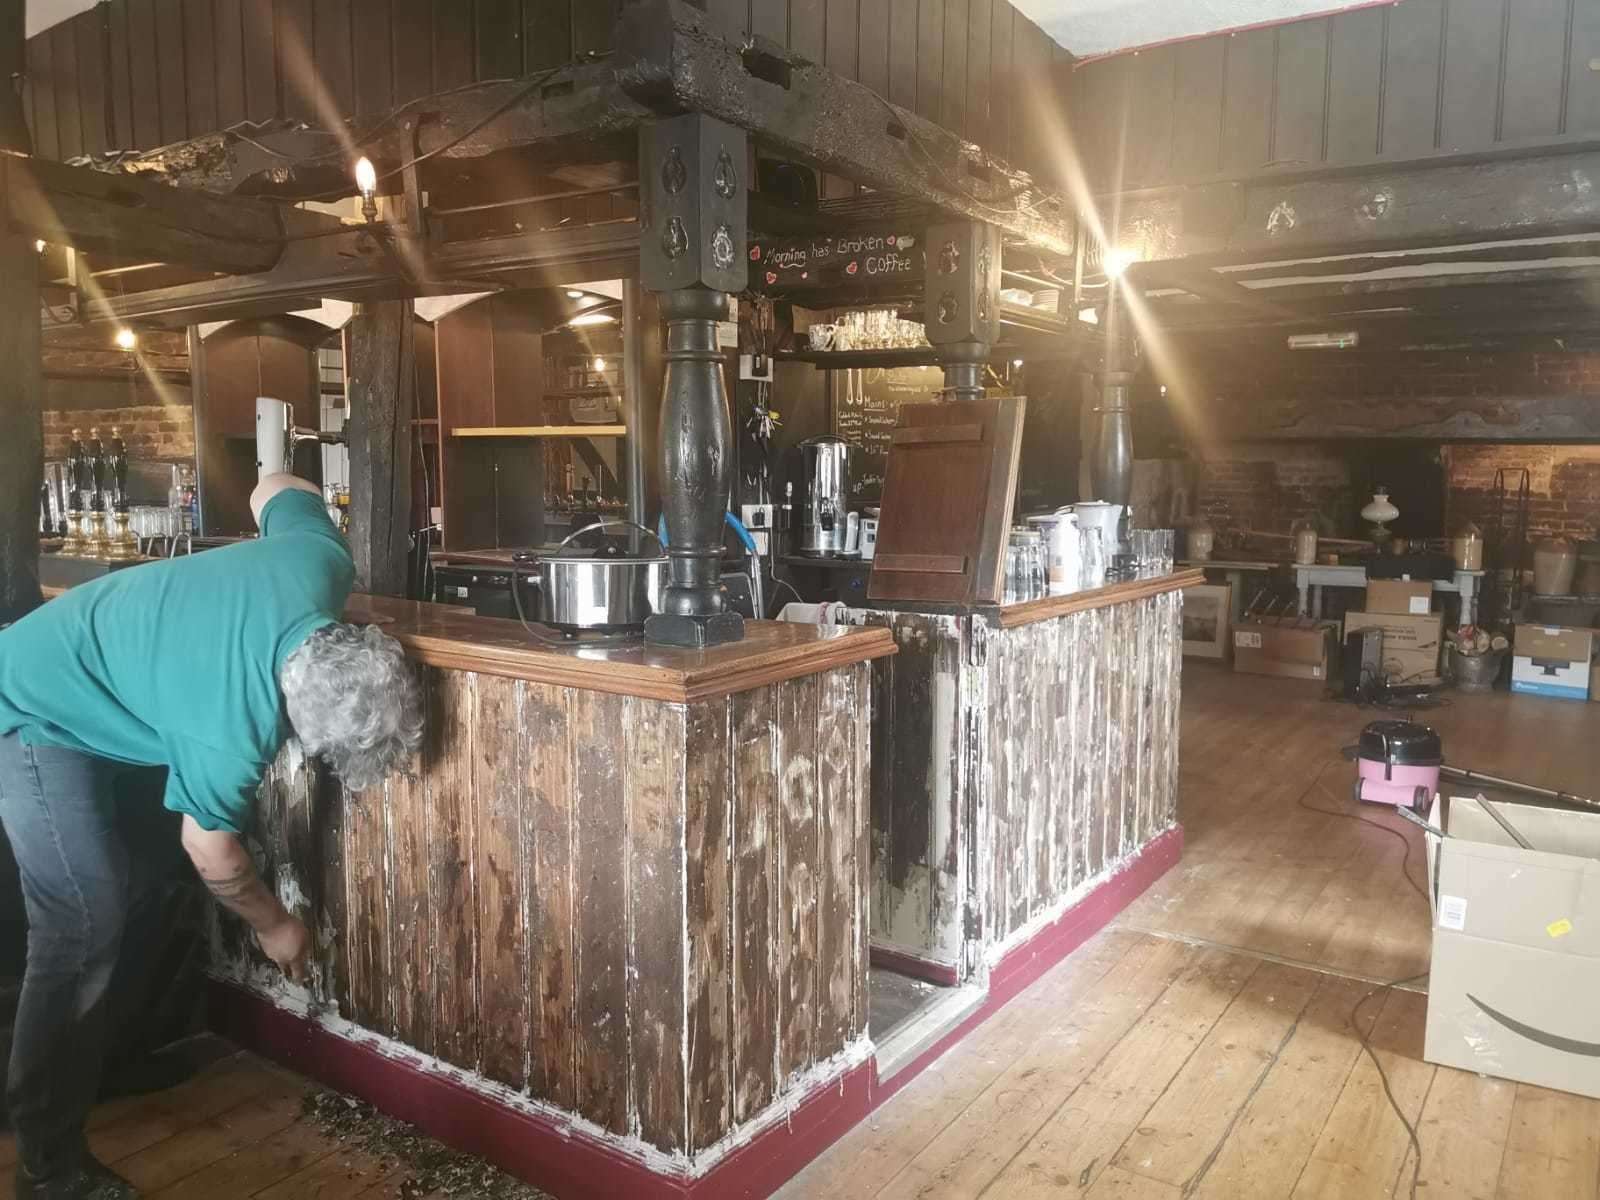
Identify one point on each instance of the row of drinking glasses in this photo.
(1151, 550)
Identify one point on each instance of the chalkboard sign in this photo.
(866, 408)
(865, 258)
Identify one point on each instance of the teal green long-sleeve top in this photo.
(176, 663)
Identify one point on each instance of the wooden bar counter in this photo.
(1022, 756)
(621, 891)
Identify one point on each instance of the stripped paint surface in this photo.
(649, 916)
(1056, 762)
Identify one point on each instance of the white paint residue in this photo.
(270, 985)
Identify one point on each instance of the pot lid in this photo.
(1406, 743)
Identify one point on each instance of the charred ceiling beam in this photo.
(671, 58)
(96, 212)
(361, 264)
(1395, 206)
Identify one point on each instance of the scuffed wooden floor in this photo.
(1199, 1048)
(1202, 1047)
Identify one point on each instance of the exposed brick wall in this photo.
(89, 384)
(1284, 434)
(151, 431)
(1269, 486)
(1564, 486)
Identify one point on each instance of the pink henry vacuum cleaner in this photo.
(1401, 762)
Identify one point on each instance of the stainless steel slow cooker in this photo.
(602, 591)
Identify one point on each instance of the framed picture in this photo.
(1206, 624)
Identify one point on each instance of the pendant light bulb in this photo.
(367, 183)
(127, 339)
(599, 364)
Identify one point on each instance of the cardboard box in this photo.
(1410, 644)
(1551, 660)
(1516, 945)
(1295, 648)
(1404, 597)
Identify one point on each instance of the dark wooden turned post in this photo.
(21, 383)
(381, 381)
(692, 252)
(962, 294)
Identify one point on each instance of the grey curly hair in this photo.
(353, 699)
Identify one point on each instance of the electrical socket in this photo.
(756, 367)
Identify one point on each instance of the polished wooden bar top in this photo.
(772, 651)
(1012, 615)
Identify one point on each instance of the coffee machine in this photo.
(823, 502)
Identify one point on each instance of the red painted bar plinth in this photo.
(574, 1165)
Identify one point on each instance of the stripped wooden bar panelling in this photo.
(498, 781)
(881, 780)
(861, 768)
(712, 1023)
(452, 893)
(655, 751)
(600, 813)
(551, 901)
(368, 893)
(798, 869)
(329, 803)
(649, 914)
(946, 890)
(1067, 760)
(406, 832)
(756, 816)
(911, 743)
(836, 853)
(1174, 677)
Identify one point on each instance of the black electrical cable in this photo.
(1384, 988)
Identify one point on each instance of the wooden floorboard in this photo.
(1199, 1049)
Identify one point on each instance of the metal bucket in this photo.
(1476, 672)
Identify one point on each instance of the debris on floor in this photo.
(434, 1168)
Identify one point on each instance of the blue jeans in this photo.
(80, 883)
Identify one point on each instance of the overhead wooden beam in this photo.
(671, 57)
(1395, 206)
(125, 215)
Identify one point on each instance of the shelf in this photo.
(905, 356)
(581, 393)
(424, 420)
(540, 431)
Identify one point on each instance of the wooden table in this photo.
(1314, 577)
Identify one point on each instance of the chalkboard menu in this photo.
(863, 258)
(866, 408)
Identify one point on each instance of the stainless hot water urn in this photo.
(825, 487)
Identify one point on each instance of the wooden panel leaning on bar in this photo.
(647, 914)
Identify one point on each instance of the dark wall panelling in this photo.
(169, 63)
(143, 73)
(499, 39)
(452, 44)
(1391, 81)
(903, 52)
(119, 76)
(41, 86)
(296, 54)
(930, 60)
(980, 79)
(372, 33)
(1412, 54)
(334, 58)
(1153, 75)
(64, 84)
(410, 50)
(872, 51)
(807, 27)
(1473, 40)
(1536, 60)
(592, 21)
(259, 37)
(1355, 85)
(227, 18)
(1300, 114)
(89, 31)
(1002, 81)
(953, 85)
(1197, 121)
(200, 65)
(1583, 83)
(732, 17)
(1248, 78)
